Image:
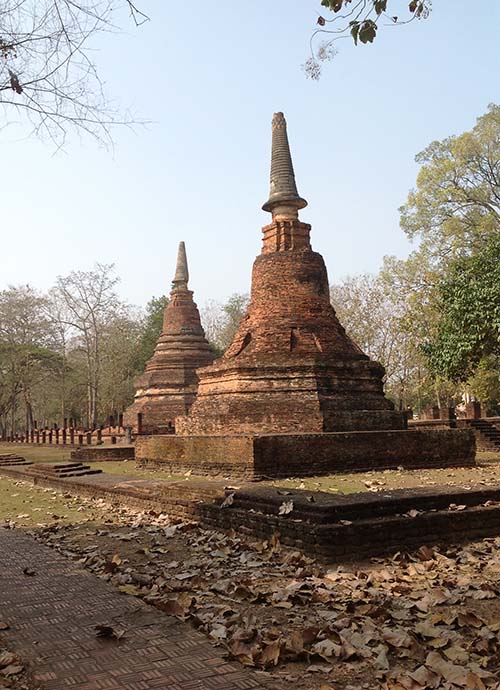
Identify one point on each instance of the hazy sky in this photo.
(210, 75)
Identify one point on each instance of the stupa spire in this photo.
(181, 277)
(284, 200)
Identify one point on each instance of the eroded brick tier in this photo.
(167, 388)
(291, 366)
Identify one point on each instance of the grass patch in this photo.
(27, 505)
(128, 468)
(485, 474)
(37, 453)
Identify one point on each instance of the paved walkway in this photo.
(52, 616)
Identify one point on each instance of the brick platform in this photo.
(332, 528)
(53, 614)
(103, 453)
(305, 455)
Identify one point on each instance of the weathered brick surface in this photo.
(291, 366)
(52, 618)
(168, 386)
(103, 453)
(282, 455)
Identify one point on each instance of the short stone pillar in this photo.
(37, 434)
(99, 437)
(473, 410)
(89, 438)
(72, 436)
(120, 420)
(80, 439)
(432, 412)
(113, 440)
(56, 431)
(44, 436)
(64, 436)
(50, 436)
(32, 436)
(128, 435)
(111, 421)
(447, 413)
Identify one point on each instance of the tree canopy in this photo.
(469, 325)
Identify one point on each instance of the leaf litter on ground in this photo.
(429, 619)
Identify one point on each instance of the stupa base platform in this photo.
(264, 456)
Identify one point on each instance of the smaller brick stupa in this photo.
(168, 386)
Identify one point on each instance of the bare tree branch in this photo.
(47, 74)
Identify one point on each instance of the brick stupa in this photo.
(291, 366)
(293, 395)
(167, 388)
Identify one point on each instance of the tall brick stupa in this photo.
(167, 388)
(293, 395)
(291, 366)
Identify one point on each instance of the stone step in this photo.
(61, 470)
(10, 459)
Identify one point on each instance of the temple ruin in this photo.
(293, 394)
(167, 388)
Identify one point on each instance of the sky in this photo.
(208, 78)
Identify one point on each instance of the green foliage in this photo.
(455, 208)
(469, 327)
(360, 20)
(153, 324)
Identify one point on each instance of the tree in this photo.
(120, 339)
(90, 304)
(360, 19)
(151, 329)
(374, 313)
(455, 208)
(454, 213)
(27, 356)
(221, 321)
(469, 304)
(47, 73)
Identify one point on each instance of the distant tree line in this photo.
(74, 352)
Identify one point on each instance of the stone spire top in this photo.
(284, 201)
(181, 278)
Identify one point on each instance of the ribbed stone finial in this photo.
(181, 277)
(284, 199)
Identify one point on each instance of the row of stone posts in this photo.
(67, 435)
(472, 411)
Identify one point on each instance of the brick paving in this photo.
(53, 614)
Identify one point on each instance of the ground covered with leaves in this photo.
(425, 620)
(430, 619)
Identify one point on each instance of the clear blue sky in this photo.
(210, 75)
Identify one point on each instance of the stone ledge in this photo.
(103, 453)
(303, 455)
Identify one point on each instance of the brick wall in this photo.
(304, 455)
